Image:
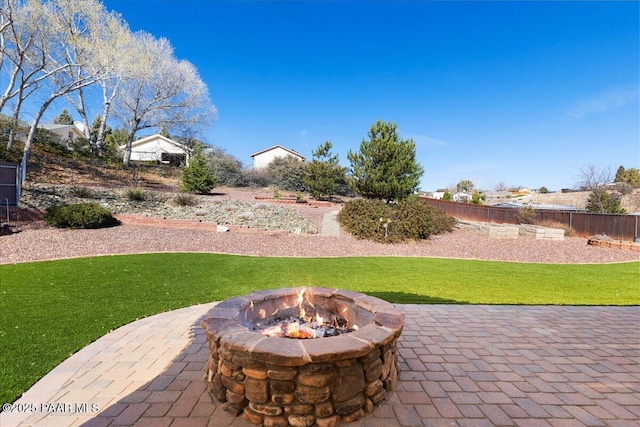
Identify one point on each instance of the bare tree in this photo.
(23, 57)
(596, 180)
(109, 40)
(68, 25)
(162, 91)
(593, 178)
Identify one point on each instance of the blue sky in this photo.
(524, 93)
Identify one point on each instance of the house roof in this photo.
(278, 146)
(156, 136)
(52, 126)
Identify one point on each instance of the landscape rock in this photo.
(161, 205)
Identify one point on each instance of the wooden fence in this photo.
(616, 226)
(9, 183)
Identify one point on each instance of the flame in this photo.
(272, 331)
(305, 325)
(300, 299)
(295, 330)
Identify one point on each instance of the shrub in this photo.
(227, 169)
(287, 173)
(527, 215)
(364, 219)
(81, 215)
(136, 195)
(411, 219)
(184, 200)
(255, 178)
(81, 192)
(51, 142)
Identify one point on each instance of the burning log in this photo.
(307, 323)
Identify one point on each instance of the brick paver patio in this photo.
(462, 365)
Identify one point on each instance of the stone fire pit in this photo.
(278, 381)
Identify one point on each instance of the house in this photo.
(439, 193)
(159, 148)
(462, 197)
(262, 158)
(521, 192)
(67, 133)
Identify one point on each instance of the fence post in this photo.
(570, 221)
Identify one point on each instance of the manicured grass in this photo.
(49, 310)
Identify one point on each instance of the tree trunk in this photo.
(127, 150)
(32, 136)
(105, 115)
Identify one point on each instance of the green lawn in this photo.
(49, 310)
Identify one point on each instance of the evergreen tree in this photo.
(198, 176)
(602, 201)
(94, 129)
(632, 177)
(620, 175)
(476, 198)
(447, 195)
(324, 175)
(64, 118)
(385, 167)
(164, 132)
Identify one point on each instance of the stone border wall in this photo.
(493, 231)
(541, 233)
(511, 231)
(618, 244)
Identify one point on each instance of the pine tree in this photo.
(164, 132)
(324, 175)
(198, 176)
(476, 198)
(447, 195)
(64, 118)
(602, 201)
(385, 167)
(621, 175)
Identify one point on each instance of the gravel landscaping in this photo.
(32, 244)
(231, 211)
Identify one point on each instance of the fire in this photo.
(296, 330)
(307, 323)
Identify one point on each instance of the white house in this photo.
(159, 148)
(461, 197)
(262, 158)
(67, 133)
(438, 194)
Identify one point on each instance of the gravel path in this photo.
(35, 244)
